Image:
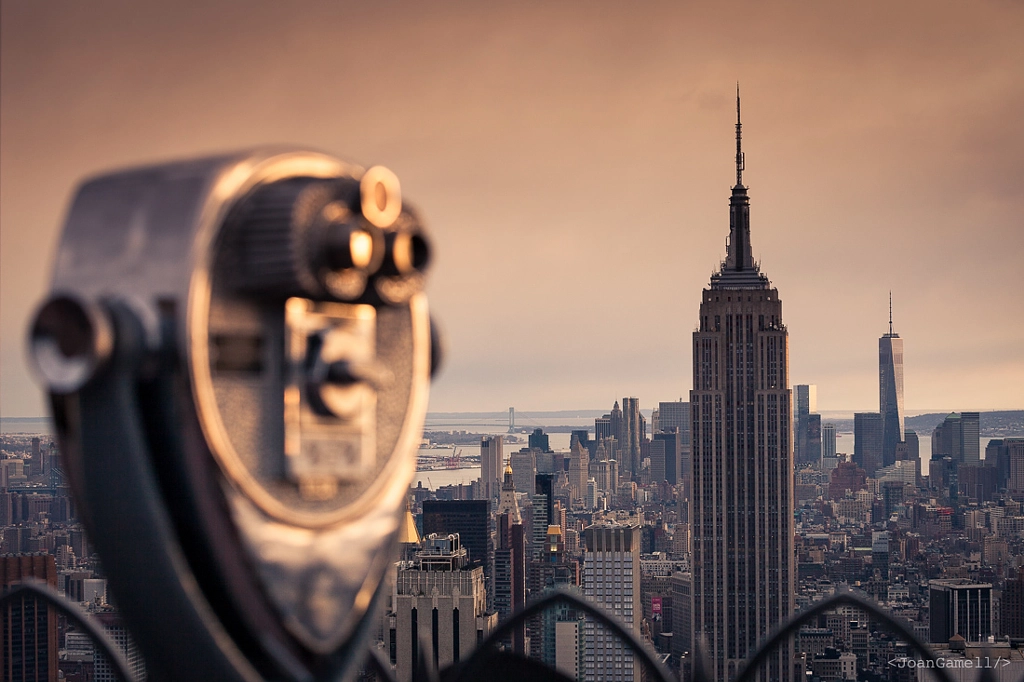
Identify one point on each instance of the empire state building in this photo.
(741, 507)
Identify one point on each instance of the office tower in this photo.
(510, 559)
(611, 577)
(867, 441)
(28, 626)
(656, 453)
(890, 391)
(960, 607)
(440, 603)
(469, 518)
(958, 437)
(538, 439)
(970, 438)
(579, 473)
(805, 401)
(946, 438)
(544, 484)
(610, 425)
(674, 463)
(553, 568)
(492, 463)
(674, 415)
(632, 435)
(998, 454)
(828, 440)
(741, 503)
(880, 553)
(910, 448)
(812, 439)
(606, 475)
(1011, 607)
(103, 671)
(1015, 467)
(524, 469)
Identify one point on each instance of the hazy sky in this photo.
(574, 162)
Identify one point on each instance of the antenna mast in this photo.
(739, 146)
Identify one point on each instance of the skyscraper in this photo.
(579, 472)
(611, 577)
(674, 415)
(633, 427)
(828, 440)
(741, 505)
(438, 603)
(492, 465)
(958, 436)
(807, 436)
(510, 559)
(469, 518)
(867, 441)
(890, 391)
(28, 626)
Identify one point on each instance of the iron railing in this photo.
(491, 663)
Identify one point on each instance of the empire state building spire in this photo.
(739, 140)
(739, 268)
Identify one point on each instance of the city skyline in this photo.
(570, 168)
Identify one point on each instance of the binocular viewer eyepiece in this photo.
(238, 351)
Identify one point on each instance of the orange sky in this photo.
(574, 163)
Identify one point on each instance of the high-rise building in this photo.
(674, 459)
(524, 468)
(811, 435)
(805, 401)
(610, 425)
(469, 518)
(579, 473)
(828, 440)
(510, 560)
(867, 441)
(960, 607)
(1011, 607)
(741, 504)
(633, 427)
(674, 415)
(550, 642)
(103, 671)
(611, 577)
(439, 603)
(958, 437)
(538, 439)
(492, 464)
(890, 391)
(970, 435)
(28, 626)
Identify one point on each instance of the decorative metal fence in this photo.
(489, 662)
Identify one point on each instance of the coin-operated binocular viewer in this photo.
(237, 351)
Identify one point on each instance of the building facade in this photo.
(741, 504)
(28, 626)
(492, 465)
(867, 441)
(611, 577)
(438, 603)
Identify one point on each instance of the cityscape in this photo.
(700, 524)
(624, 413)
